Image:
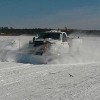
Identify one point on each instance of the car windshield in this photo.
(52, 35)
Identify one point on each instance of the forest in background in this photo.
(15, 32)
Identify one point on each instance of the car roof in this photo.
(54, 31)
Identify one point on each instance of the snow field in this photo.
(50, 82)
(70, 77)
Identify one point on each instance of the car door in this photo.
(65, 45)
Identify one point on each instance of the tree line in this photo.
(15, 32)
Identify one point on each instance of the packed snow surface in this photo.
(69, 77)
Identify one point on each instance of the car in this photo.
(50, 45)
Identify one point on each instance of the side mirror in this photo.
(34, 39)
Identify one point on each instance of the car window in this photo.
(55, 36)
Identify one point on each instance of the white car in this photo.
(50, 45)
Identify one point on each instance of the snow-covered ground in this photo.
(71, 77)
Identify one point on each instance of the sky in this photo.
(77, 14)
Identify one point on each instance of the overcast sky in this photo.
(80, 14)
